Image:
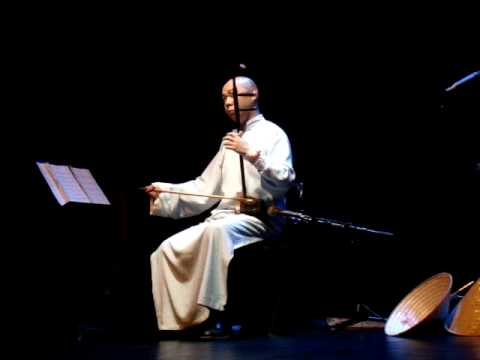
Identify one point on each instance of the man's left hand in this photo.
(234, 141)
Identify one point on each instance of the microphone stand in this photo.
(362, 311)
(298, 217)
(350, 226)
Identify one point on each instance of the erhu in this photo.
(244, 203)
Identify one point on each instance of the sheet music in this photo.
(90, 186)
(54, 186)
(69, 184)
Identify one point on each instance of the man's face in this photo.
(247, 97)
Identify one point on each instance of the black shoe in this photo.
(217, 332)
(170, 334)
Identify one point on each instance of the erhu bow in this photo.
(245, 204)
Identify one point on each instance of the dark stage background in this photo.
(376, 142)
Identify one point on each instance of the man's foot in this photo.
(217, 332)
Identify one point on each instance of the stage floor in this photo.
(313, 344)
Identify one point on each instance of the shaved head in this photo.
(243, 82)
(247, 92)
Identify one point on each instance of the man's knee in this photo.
(159, 252)
(215, 231)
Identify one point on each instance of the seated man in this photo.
(189, 269)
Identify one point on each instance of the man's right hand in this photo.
(152, 191)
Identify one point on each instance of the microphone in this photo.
(463, 80)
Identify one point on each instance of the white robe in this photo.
(189, 269)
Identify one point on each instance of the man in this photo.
(189, 269)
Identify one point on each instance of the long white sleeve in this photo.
(178, 206)
(275, 164)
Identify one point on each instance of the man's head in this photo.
(247, 93)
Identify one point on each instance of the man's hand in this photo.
(234, 141)
(152, 191)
